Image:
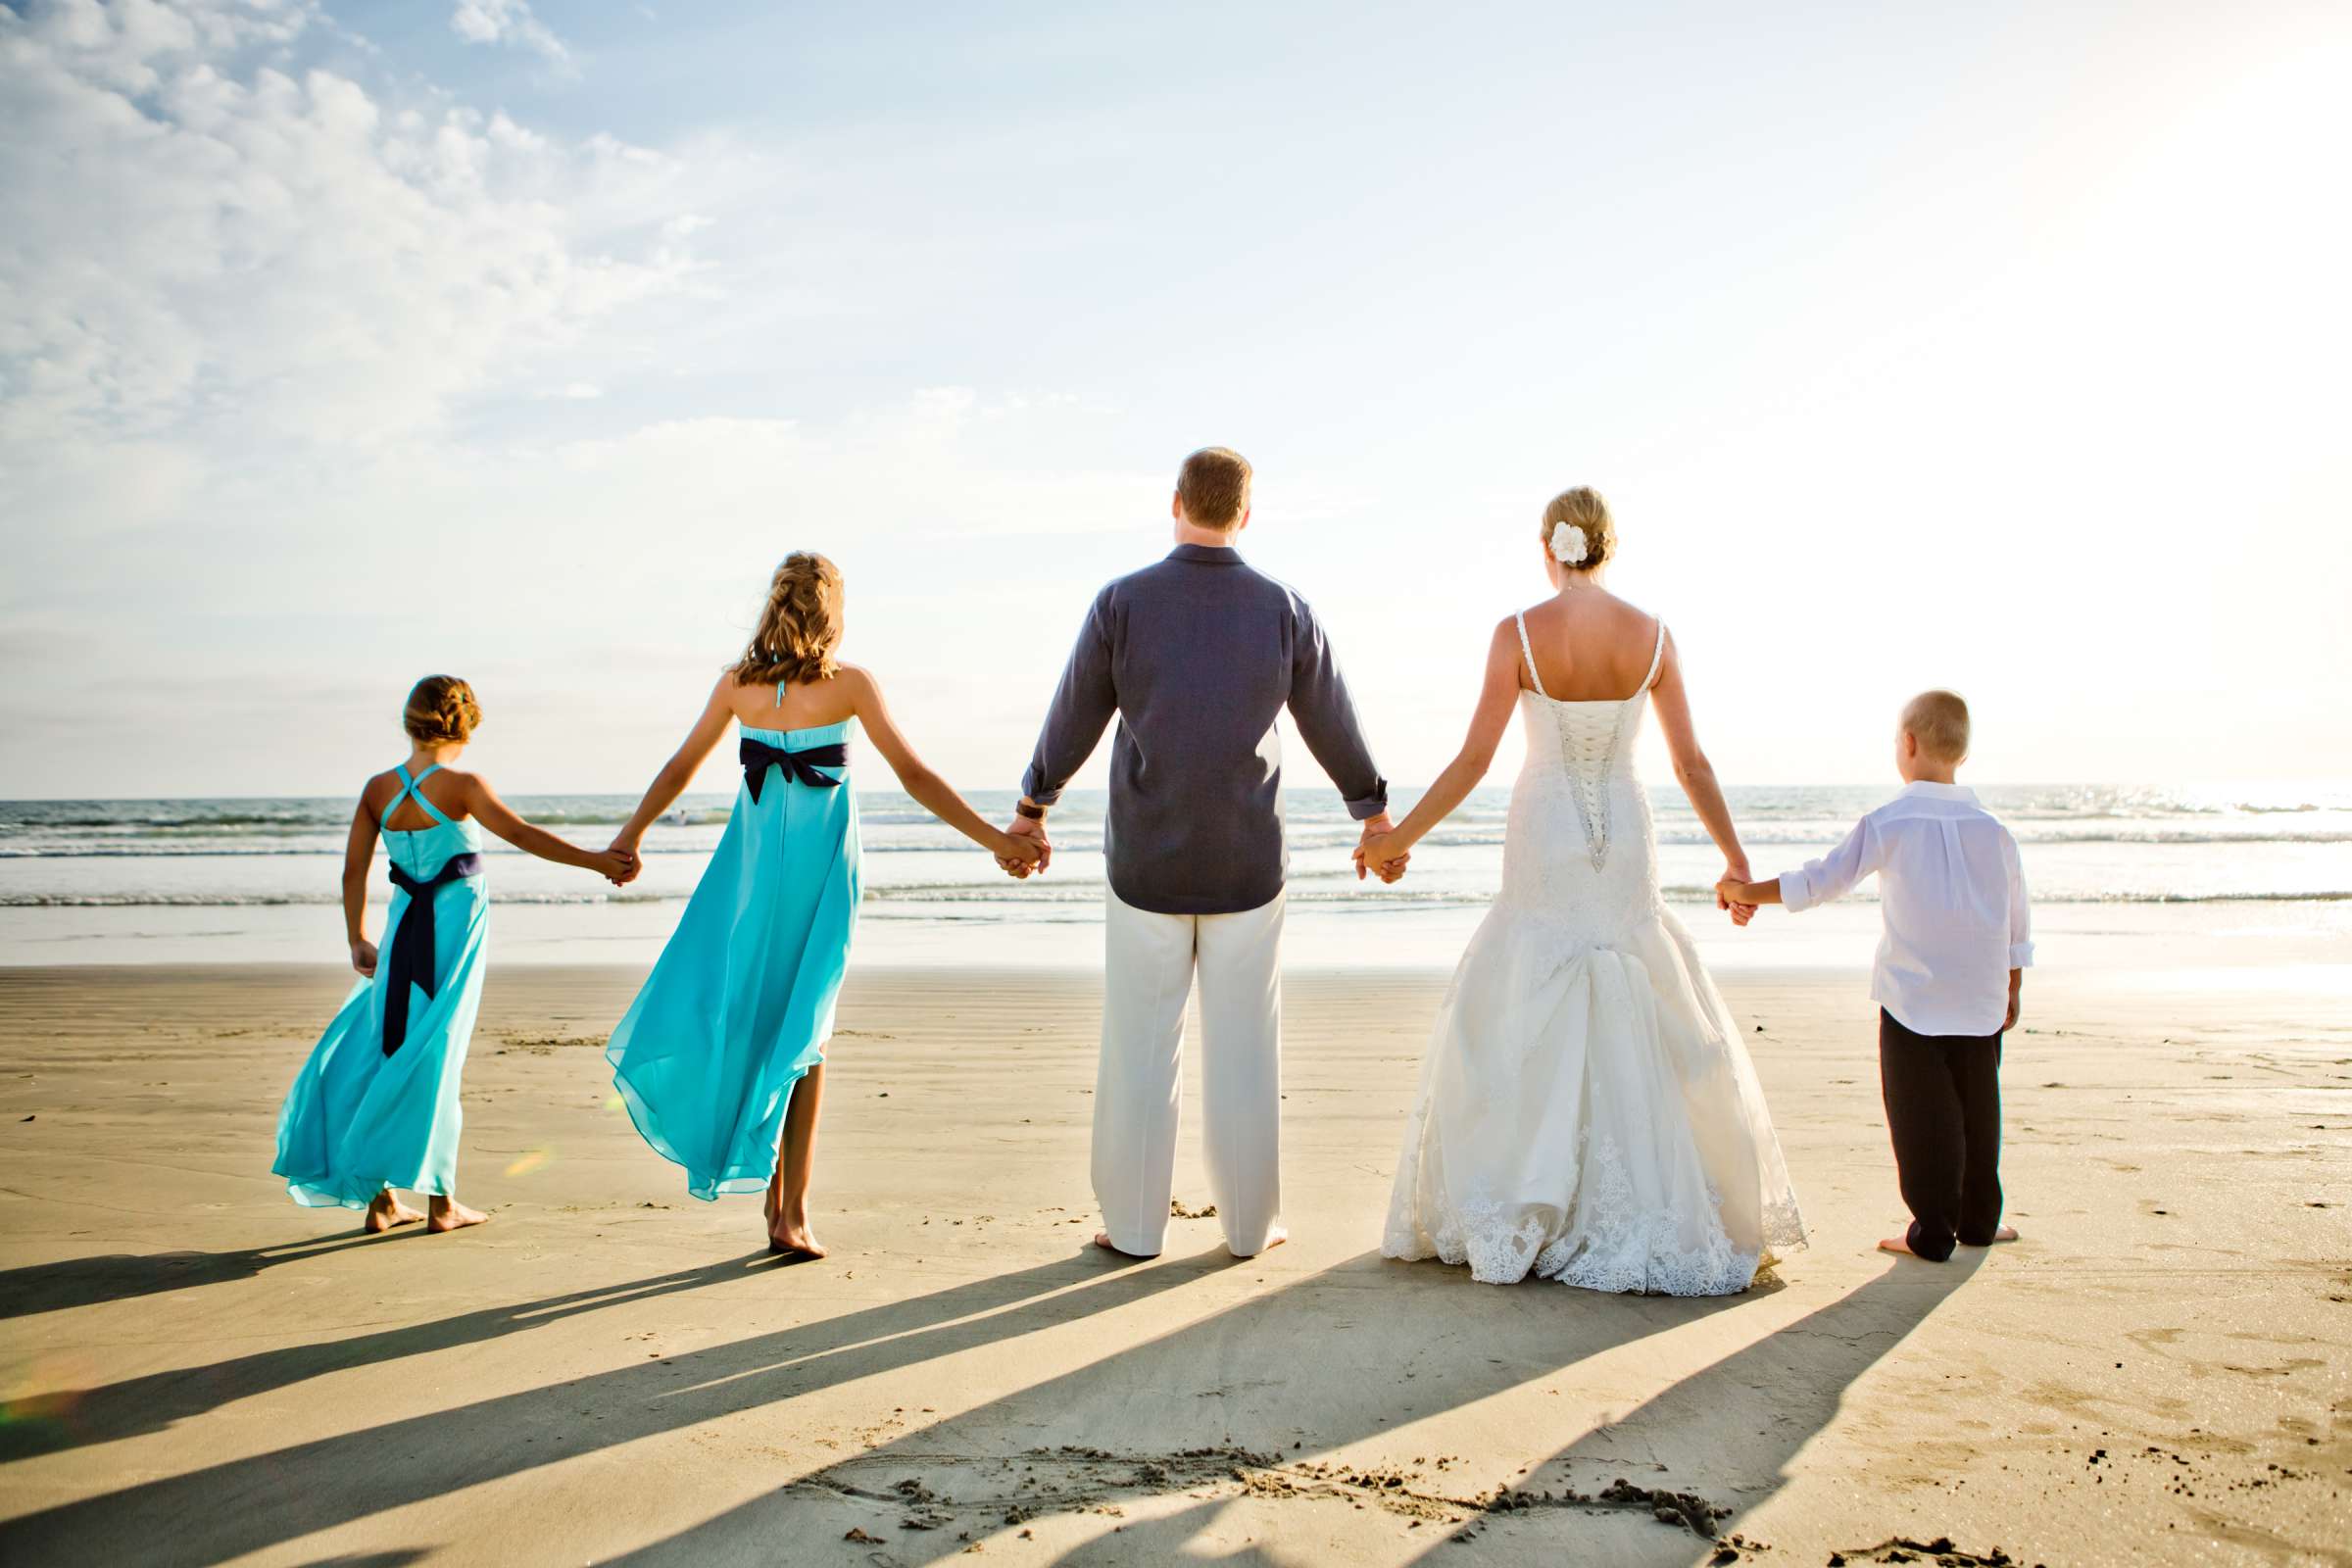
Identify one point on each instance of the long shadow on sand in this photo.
(1280, 1375)
(1273, 1389)
(244, 1505)
(121, 1276)
(1271, 1384)
(1785, 1389)
(71, 1418)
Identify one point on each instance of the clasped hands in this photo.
(1735, 879)
(1378, 854)
(618, 862)
(1029, 848)
(1375, 854)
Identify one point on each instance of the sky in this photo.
(1998, 347)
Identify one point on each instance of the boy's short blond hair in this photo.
(1215, 486)
(1938, 722)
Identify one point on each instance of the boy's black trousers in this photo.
(1943, 1113)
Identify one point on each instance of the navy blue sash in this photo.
(759, 757)
(411, 963)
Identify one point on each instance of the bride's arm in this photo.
(1497, 695)
(1671, 702)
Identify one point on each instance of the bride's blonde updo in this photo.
(1582, 510)
(799, 625)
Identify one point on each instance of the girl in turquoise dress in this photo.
(375, 1107)
(720, 1060)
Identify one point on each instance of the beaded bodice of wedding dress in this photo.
(1587, 1110)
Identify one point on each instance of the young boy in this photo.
(1953, 897)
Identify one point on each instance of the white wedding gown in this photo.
(1588, 1112)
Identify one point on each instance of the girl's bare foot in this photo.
(387, 1212)
(451, 1216)
(1104, 1240)
(790, 1234)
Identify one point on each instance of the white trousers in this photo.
(1148, 968)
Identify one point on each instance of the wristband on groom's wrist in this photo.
(1030, 809)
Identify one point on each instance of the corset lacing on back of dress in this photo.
(1592, 738)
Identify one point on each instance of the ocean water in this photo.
(235, 880)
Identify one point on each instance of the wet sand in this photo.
(197, 1371)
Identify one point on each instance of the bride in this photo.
(1586, 1112)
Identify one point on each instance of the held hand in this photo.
(1378, 856)
(1032, 830)
(1018, 856)
(362, 958)
(1730, 891)
(618, 867)
(1376, 852)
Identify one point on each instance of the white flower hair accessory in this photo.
(1568, 545)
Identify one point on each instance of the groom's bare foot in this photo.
(1898, 1244)
(451, 1216)
(1274, 1237)
(1104, 1240)
(387, 1212)
(2007, 1232)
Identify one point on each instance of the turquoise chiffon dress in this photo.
(741, 1002)
(377, 1103)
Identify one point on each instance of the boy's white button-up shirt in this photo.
(1953, 896)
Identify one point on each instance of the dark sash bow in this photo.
(759, 757)
(412, 958)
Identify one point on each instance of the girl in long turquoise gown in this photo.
(375, 1107)
(720, 1060)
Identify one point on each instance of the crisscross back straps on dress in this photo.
(410, 792)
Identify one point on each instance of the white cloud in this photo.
(209, 232)
(508, 21)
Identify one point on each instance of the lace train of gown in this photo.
(1588, 1112)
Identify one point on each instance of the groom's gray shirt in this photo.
(1196, 654)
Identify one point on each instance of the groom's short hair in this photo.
(1214, 487)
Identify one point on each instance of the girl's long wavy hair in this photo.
(800, 626)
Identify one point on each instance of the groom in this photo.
(1195, 654)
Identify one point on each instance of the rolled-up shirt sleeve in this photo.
(1327, 721)
(1835, 874)
(2021, 909)
(1083, 705)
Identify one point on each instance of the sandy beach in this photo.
(197, 1371)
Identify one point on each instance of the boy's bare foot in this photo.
(451, 1216)
(387, 1212)
(1898, 1244)
(2007, 1232)
(1104, 1240)
(1274, 1237)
